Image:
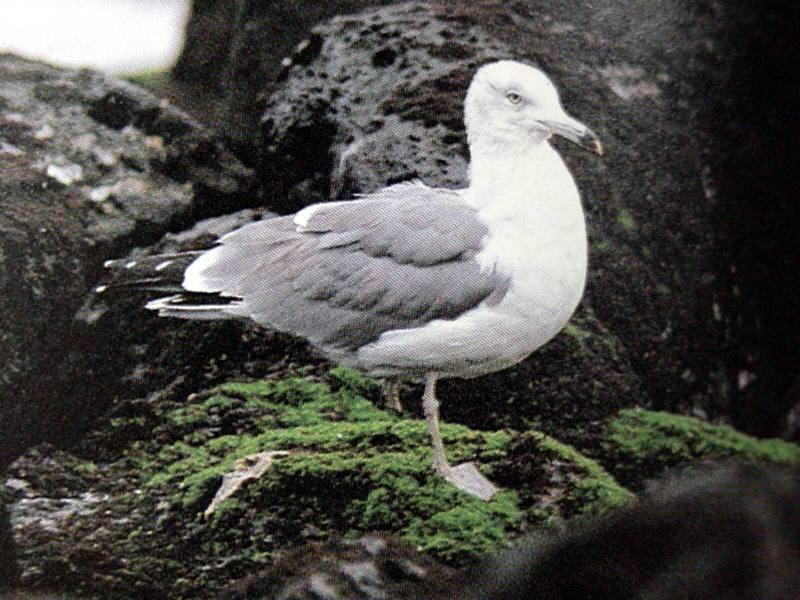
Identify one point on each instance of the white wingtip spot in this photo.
(162, 303)
(108, 264)
(130, 265)
(302, 217)
(163, 265)
(100, 289)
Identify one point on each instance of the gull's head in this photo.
(515, 105)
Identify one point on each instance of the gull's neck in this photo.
(510, 182)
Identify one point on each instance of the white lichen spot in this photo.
(559, 28)
(709, 186)
(717, 311)
(745, 378)
(154, 142)
(101, 193)
(84, 142)
(628, 82)
(66, 174)
(105, 158)
(7, 149)
(45, 132)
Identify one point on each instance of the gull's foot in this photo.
(467, 478)
(395, 405)
(391, 393)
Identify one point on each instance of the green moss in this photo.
(354, 381)
(625, 220)
(579, 335)
(601, 246)
(597, 491)
(651, 441)
(353, 468)
(87, 467)
(153, 79)
(466, 529)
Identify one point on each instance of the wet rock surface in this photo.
(91, 166)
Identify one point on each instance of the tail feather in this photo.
(164, 274)
(161, 273)
(197, 306)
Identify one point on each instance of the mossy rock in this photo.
(355, 468)
(351, 468)
(640, 444)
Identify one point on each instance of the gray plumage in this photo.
(395, 259)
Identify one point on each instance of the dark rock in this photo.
(125, 513)
(373, 567)
(704, 534)
(91, 166)
(372, 108)
(234, 56)
(701, 534)
(127, 508)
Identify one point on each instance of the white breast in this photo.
(538, 237)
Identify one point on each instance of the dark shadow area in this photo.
(759, 184)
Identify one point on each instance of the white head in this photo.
(515, 106)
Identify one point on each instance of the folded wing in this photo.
(342, 273)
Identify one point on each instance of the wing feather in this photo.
(340, 274)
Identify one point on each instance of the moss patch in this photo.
(152, 79)
(642, 443)
(352, 468)
(355, 468)
(626, 220)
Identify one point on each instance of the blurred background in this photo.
(119, 37)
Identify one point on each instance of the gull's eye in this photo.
(514, 98)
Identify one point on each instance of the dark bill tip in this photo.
(590, 141)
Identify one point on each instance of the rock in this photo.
(123, 511)
(701, 534)
(91, 166)
(719, 517)
(138, 486)
(373, 567)
(377, 101)
(219, 76)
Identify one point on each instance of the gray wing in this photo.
(342, 273)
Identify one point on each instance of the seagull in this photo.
(412, 282)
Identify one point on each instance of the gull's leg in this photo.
(392, 394)
(466, 476)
